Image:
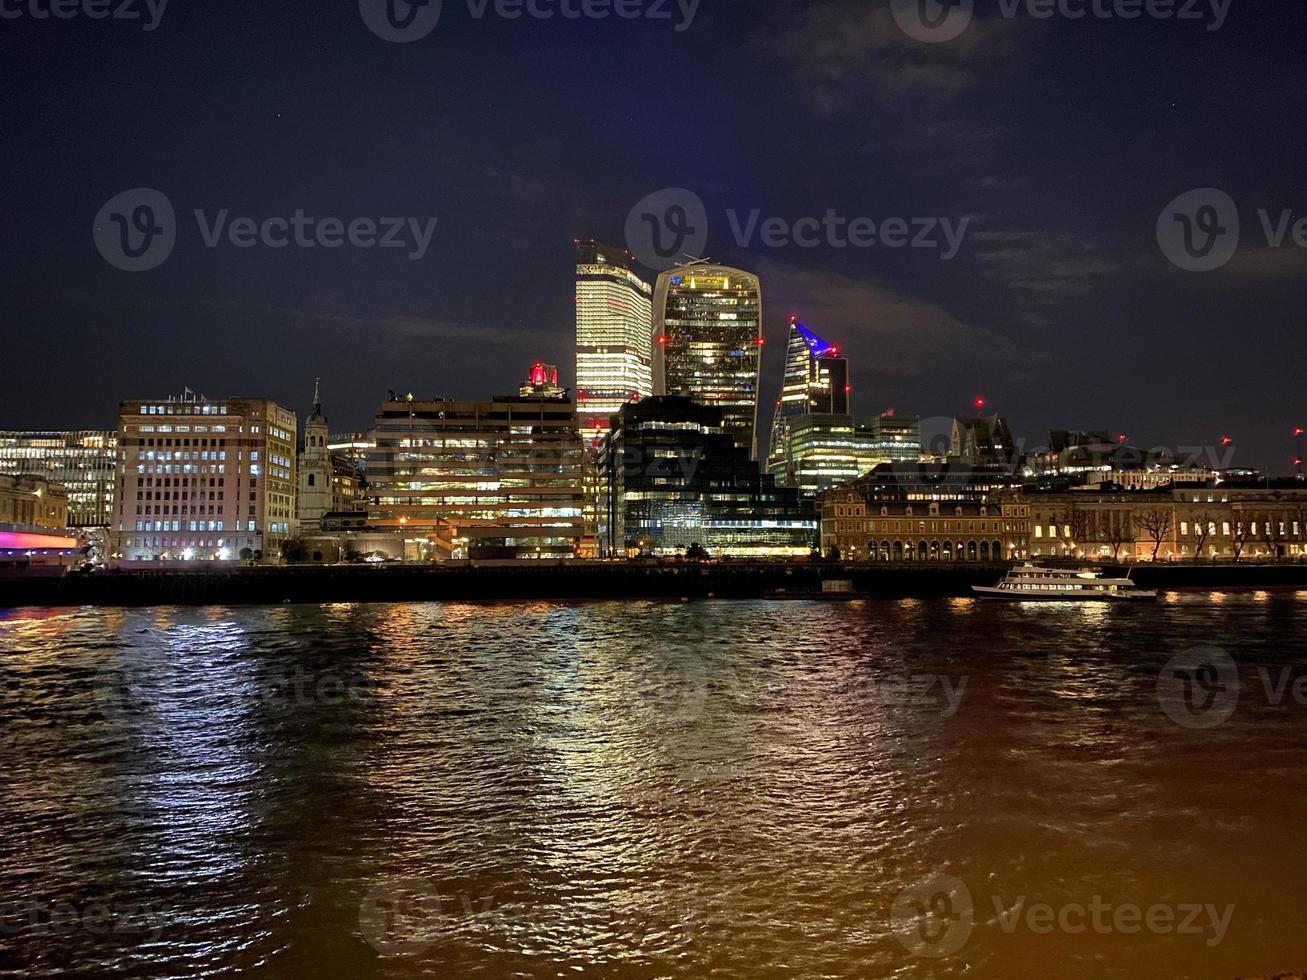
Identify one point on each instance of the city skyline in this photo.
(1059, 306)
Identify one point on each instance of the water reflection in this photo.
(641, 789)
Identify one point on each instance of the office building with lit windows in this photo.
(820, 451)
(82, 462)
(613, 339)
(506, 472)
(202, 479)
(896, 438)
(707, 343)
(675, 477)
(816, 383)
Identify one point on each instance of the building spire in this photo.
(317, 400)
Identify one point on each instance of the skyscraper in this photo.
(613, 340)
(708, 342)
(816, 383)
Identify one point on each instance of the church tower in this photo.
(314, 469)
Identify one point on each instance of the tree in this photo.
(1079, 523)
(1119, 531)
(1273, 528)
(1156, 523)
(1238, 538)
(696, 552)
(294, 551)
(246, 554)
(833, 553)
(1203, 523)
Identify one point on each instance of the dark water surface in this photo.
(634, 789)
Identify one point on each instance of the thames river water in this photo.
(641, 790)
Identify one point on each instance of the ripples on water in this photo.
(637, 790)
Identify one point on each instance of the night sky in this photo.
(1061, 140)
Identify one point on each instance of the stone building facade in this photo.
(922, 531)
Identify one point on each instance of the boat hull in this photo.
(1087, 595)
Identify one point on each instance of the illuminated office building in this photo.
(708, 343)
(896, 438)
(82, 462)
(820, 451)
(675, 477)
(613, 340)
(506, 472)
(816, 383)
(200, 479)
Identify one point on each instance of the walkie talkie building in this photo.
(708, 342)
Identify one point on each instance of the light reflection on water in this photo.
(641, 789)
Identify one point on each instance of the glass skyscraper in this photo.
(613, 339)
(674, 477)
(708, 343)
(816, 383)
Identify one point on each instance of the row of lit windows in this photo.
(183, 408)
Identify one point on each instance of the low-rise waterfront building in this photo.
(1211, 521)
(202, 479)
(927, 530)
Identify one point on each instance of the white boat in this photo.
(1033, 583)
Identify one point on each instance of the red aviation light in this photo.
(1226, 441)
(980, 404)
(662, 340)
(1297, 431)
